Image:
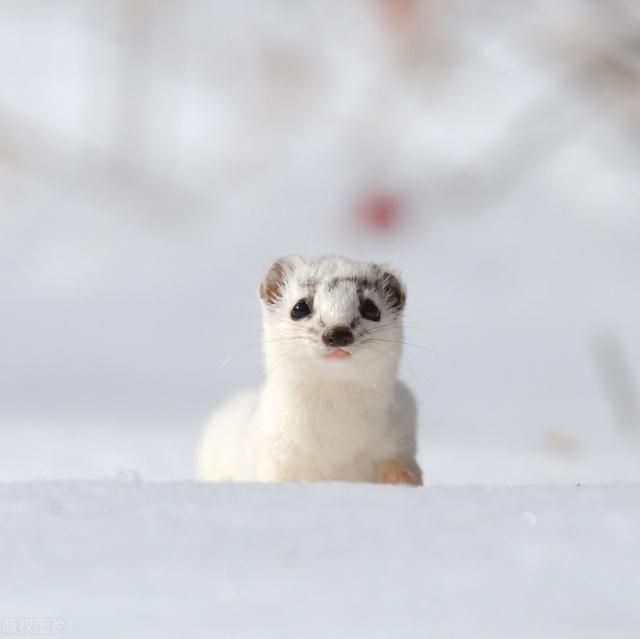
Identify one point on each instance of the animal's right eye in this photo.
(300, 310)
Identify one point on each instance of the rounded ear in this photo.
(394, 290)
(272, 287)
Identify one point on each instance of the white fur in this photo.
(316, 419)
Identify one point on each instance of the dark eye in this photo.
(370, 311)
(300, 310)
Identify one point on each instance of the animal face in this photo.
(332, 316)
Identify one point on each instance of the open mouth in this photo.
(338, 353)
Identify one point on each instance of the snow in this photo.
(135, 559)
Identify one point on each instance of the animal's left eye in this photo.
(370, 311)
(300, 310)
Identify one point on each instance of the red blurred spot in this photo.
(380, 211)
(409, 19)
(399, 13)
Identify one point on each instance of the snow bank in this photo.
(117, 559)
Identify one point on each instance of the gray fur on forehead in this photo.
(328, 268)
(332, 267)
(328, 272)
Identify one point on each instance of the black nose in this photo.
(338, 336)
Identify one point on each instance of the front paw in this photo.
(394, 472)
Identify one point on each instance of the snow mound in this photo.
(136, 559)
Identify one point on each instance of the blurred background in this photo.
(156, 156)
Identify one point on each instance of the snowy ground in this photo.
(132, 560)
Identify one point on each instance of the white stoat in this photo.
(331, 407)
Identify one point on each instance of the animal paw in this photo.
(401, 473)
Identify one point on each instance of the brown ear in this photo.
(274, 283)
(394, 291)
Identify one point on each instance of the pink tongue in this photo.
(337, 354)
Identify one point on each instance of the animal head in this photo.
(330, 316)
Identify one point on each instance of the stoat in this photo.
(331, 407)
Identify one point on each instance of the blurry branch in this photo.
(96, 178)
(132, 108)
(605, 67)
(614, 65)
(617, 380)
(608, 75)
(621, 22)
(530, 140)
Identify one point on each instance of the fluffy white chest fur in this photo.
(331, 407)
